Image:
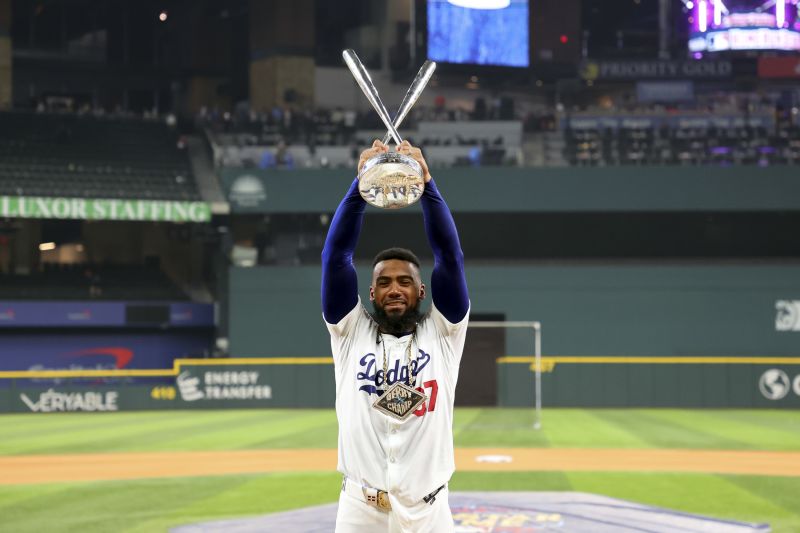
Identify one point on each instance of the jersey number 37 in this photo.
(434, 391)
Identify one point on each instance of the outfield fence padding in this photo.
(309, 382)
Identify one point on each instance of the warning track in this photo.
(28, 469)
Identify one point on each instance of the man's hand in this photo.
(415, 153)
(404, 148)
(376, 149)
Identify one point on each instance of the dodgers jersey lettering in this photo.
(408, 458)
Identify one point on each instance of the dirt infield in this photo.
(115, 466)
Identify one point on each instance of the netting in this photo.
(502, 339)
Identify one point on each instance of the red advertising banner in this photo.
(779, 67)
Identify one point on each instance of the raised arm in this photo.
(339, 279)
(448, 284)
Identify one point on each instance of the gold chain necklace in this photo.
(400, 400)
(412, 380)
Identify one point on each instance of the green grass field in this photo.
(157, 504)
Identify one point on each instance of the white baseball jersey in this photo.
(409, 458)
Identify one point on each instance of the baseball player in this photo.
(396, 368)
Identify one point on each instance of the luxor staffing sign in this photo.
(103, 209)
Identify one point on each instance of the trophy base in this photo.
(391, 181)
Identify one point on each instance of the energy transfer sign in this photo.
(222, 385)
(104, 209)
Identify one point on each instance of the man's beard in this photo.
(397, 324)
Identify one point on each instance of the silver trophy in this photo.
(390, 180)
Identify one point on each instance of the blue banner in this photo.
(191, 314)
(61, 314)
(14, 314)
(20, 350)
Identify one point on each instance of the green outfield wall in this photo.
(190, 384)
(633, 310)
(635, 335)
(710, 382)
(678, 335)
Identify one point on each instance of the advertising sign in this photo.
(775, 385)
(721, 25)
(665, 91)
(655, 69)
(779, 67)
(74, 398)
(247, 192)
(787, 315)
(103, 209)
(102, 385)
(52, 401)
(592, 122)
(223, 385)
(80, 314)
(745, 39)
(61, 314)
(98, 351)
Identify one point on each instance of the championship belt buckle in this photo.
(399, 401)
(383, 500)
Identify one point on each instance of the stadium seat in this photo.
(53, 154)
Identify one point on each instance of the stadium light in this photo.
(162, 16)
(45, 246)
(702, 15)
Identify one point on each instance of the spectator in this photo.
(267, 160)
(283, 157)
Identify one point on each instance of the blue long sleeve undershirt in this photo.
(339, 279)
